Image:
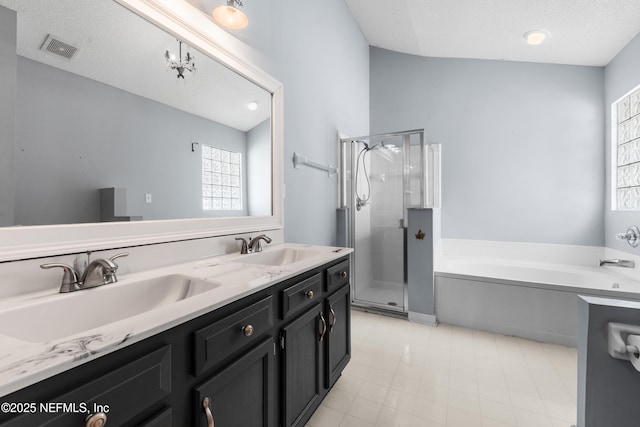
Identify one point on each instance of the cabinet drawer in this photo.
(233, 333)
(301, 295)
(127, 391)
(337, 276)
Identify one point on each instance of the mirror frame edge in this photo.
(185, 22)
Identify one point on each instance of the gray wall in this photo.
(608, 388)
(620, 76)
(522, 143)
(8, 67)
(69, 146)
(316, 49)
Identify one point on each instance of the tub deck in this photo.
(533, 299)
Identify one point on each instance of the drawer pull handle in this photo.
(247, 330)
(96, 420)
(309, 294)
(207, 411)
(333, 320)
(343, 274)
(323, 327)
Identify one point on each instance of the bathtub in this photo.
(525, 290)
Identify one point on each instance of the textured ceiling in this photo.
(583, 32)
(123, 50)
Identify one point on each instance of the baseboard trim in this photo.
(425, 319)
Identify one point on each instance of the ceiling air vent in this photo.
(57, 47)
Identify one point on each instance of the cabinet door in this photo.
(338, 341)
(242, 394)
(301, 342)
(123, 394)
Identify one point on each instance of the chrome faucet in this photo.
(254, 244)
(99, 272)
(618, 263)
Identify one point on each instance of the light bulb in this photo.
(230, 17)
(536, 37)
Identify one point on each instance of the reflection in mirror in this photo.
(113, 133)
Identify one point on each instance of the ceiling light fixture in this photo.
(229, 16)
(252, 106)
(179, 64)
(536, 37)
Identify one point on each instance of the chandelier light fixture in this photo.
(180, 64)
(229, 16)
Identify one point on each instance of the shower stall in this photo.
(381, 177)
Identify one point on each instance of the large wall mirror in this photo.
(131, 124)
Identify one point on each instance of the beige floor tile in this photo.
(339, 400)
(364, 409)
(464, 401)
(349, 384)
(392, 418)
(326, 417)
(460, 418)
(429, 410)
(374, 392)
(350, 421)
(498, 412)
(400, 401)
(410, 375)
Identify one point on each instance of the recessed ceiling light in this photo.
(252, 106)
(536, 37)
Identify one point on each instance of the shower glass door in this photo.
(385, 216)
(381, 177)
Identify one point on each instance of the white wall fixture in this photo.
(229, 16)
(300, 160)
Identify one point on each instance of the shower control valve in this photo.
(632, 236)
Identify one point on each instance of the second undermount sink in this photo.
(275, 257)
(63, 315)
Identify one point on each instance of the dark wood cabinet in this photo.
(266, 360)
(301, 344)
(338, 337)
(242, 394)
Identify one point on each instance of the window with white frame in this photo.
(626, 152)
(221, 179)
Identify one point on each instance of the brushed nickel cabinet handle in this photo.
(309, 294)
(343, 274)
(207, 411)
(96, 420)
(247, 330)
(333, 320)
(323, 327)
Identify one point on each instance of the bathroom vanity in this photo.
(264, 357)
(192, 332)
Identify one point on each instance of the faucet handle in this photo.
(245, 245)
(120, 255)
(69, 277)
(110, 274)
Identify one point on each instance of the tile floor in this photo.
(405, 374)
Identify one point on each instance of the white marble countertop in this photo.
(24, 363)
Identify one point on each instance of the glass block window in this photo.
(221, 179)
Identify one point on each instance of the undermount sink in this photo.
(63, 315)
(277, 257)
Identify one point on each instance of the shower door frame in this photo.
(347, 200)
